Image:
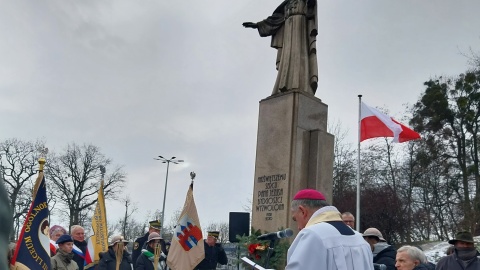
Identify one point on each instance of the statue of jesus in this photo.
(293, 27)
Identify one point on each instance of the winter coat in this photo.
(77, 258)
(144, 263)
(452, 262)
(137, 248)
(213, 255)
(386, 256)
(108, 261)
(63, 261)
(139, 244)
(425, 266)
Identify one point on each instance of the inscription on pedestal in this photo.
(270, 190)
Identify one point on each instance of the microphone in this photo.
(276, 235)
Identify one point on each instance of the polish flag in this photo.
(375, 124)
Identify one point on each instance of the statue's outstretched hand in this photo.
(250, 25)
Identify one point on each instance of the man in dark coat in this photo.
(139, 243)
(79, 245)
(465, 255)
(108, 259)
(412, 258)
(214, 253)
(383, 253)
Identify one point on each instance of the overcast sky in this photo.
(183, 78)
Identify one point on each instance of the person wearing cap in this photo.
(324, 241)
(63, 260)
(383, 253)
(214, 253)
(116, 251)
(147, 257)
(412, 258)
(349, 219)
(464, 256)
(79, 245)
(139, 244)
(56, 231)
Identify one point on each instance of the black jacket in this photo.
(213, 255)
(108, 261)
(137, 248)
(144, 263)
(140, 244)
(425, 266)
(452, 262)
(387, 257)
(79, 260)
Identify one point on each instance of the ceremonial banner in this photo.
(98, 242)
(374, 124)
(187, 249)
(33, 246)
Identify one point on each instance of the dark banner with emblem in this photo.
(33, 246)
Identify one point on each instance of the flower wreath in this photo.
(255, 250)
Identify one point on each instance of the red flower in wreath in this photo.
(254, 249)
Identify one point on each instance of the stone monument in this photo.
(294, 149)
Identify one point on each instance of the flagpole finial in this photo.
(41, 162)
(102, 171)
(360, 95)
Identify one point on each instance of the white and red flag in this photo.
(187, 249)
(374, 123)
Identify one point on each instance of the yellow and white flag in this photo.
(98, 242)
(187, 249)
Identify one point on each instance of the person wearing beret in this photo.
(324, 241)
(116, 253)
(139, 244)
(63, 260)
(214, 253)
(464, 257)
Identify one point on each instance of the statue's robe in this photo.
(293, 27)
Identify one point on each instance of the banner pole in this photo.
(358, 162)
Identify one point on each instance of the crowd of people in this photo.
(68, 251)
(326, 240)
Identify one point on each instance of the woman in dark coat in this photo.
(108, 260)
(146, 260)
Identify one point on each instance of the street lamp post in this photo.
(168, 161)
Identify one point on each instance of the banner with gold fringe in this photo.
(98, 242)
(33, 246)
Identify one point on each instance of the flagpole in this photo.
(358, 163)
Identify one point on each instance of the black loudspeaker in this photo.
(238, 224)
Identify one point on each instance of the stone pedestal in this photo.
(294, 151)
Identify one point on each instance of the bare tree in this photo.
(344, 174)
(18, 167)
(75, 175)
(128, 225)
